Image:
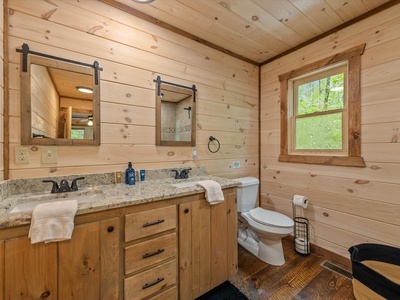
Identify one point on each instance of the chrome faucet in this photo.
(64, 187)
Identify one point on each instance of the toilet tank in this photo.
(247, 192)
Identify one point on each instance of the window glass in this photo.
(77, 134)
(318, 105)
(319, 132)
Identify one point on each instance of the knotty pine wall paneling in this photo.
(132, 54)
(347, 205)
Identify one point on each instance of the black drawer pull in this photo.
(153, 223)
(153, 253)
(147, 285)
(110, 228)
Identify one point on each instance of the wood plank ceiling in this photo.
(254, 30)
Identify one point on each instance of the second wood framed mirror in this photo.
(175, 114)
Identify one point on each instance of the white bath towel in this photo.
(214, 194)
(53, 222)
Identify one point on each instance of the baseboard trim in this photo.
(343, 261)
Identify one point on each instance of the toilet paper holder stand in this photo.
(301, 234)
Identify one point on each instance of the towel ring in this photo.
(213, 139)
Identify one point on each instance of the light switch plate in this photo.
(49, 155)
(22, 155)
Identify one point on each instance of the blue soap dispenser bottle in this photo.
(130, 175)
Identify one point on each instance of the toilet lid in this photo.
(269, 217)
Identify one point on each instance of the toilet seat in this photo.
(270, 218)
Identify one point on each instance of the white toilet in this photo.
(260, 231)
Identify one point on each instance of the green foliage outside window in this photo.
(77, 134)
(319, 132)
(318, 123)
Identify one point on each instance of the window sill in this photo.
(324, 160)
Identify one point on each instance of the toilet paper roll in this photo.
(299, 200)
(302, 245)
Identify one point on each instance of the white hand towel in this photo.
(214, 194)
(53, 222)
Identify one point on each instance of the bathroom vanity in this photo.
(169, 244)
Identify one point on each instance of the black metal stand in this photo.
(301, 236)
(301, 233)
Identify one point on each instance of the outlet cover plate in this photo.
(22, 155)
(236, 164)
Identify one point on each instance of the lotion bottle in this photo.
(130, 175)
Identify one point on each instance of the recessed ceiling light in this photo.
(84, 89)
(143, 1)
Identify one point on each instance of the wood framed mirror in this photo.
(175, 114)
(53, 110)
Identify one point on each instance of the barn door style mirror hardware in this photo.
(25, 51)
(175, 114)
(60, 100)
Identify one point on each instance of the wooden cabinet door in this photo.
(79, 263)
(207, 245)
(89, 262)
(84, 267)
(110, 282)
(30, 270)
(194, 249)
(201, 247)
(232, 255)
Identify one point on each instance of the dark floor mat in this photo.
(225, 291)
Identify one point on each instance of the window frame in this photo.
(353, 157)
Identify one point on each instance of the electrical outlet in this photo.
(49, 155)
(236, 164)
(22, 155)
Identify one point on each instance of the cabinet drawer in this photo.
(151, 281)
(149, 253)
(171, 294)
(149, 222)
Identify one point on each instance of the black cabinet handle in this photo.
(147, 255)
(147, 285)
(186, 210)
(110, 229)
(153, 223)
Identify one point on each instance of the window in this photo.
(77, 133)
(321, 111)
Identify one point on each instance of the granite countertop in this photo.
(103, 197)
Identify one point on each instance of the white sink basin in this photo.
(184, 184)
(30, 205)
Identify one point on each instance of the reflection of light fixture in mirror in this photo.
(143, 1)
(84, 89)
(90, 122)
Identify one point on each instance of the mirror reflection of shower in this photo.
(189, 109)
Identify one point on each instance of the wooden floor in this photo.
(301, 277)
